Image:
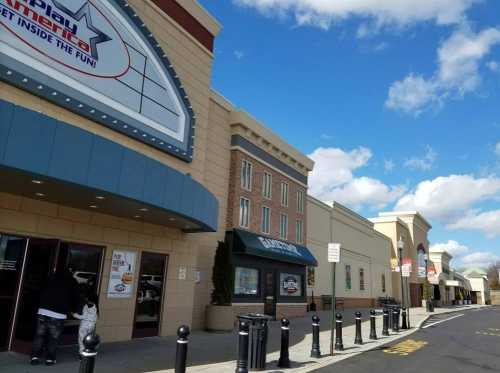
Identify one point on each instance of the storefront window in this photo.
(348, 277)
(246, 281)
(290, 285)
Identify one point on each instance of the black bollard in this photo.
(315, 350)
(182, 347)
(358, 340)
(284, 361)
(404, 325)
(339, 345)
(242, 363)
(385, 326)
(90, 342)
(395, 320)
(373, 320)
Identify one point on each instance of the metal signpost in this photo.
(405, 271)
(334, 258)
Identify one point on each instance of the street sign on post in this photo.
(406, 267)
(334, 258)
(333, 252)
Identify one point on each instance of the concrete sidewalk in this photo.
(210, 352)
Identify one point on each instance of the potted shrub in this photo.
(219, 314)
(427, 293)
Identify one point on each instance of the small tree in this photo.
(222, 275)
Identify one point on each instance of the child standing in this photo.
(88, 319)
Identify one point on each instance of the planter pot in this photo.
(219, 318)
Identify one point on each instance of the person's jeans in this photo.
(48, 331)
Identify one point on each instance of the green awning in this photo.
(244, 242)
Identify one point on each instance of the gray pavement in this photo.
(461, 342)
(212, 352)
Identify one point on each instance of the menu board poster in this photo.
(121, 277)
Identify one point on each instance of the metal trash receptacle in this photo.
(257, 346)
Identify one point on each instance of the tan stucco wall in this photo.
(362, 247)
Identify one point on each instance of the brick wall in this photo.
(494, 295)
(257, 200)
(290, 311)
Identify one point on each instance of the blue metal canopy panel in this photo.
(40, 145)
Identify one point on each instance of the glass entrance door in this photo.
(12, 251)
(40, 258)
(149, 295)
(44, 257)
(270, 294)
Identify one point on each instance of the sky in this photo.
(397, 102)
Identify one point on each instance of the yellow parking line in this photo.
(406, 347)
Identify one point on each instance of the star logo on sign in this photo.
(84, 11)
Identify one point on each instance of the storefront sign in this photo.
(291, 284)
(97, 58)
(280, 246)
(121, 277)
(333, 252)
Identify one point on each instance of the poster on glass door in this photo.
(121, 277)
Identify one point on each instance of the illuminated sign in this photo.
(98, 59)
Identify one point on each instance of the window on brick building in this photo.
(283, 226)
(300, 201)
(267, 185)
(246, 175)
(284, 194)
(244, 212)
(299, 228)
(265, 225)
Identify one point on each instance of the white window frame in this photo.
(299, 231)
(262, 223)
(267, 187)
(285, 188)
(283, 226)
(246, 174)
(300, 201)
(244, 222)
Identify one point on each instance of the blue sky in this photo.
(397, 101)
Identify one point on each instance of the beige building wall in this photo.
(361, 248)
(184, 300)
(412, 228)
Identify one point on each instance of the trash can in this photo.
(257, 346)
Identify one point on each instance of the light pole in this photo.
(427, 300)
(401, 245)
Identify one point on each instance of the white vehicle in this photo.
(83, 277)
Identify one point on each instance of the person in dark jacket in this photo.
(58, 299)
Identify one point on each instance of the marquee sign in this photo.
(98, 59)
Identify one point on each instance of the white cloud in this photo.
(493, 66)
(333, 179)
(375, 13)
(366, 191)
(389, 165)
(239, 54)
(480, 259)
(457, 74)
(325, 136)
(422, 164)
(451, 247)
(497, 149)
(487, 222)
(445, 198)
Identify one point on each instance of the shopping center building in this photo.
(119, 163)
(411, 229)
(107, 162)
(363, 274)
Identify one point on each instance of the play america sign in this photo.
(97, 58)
